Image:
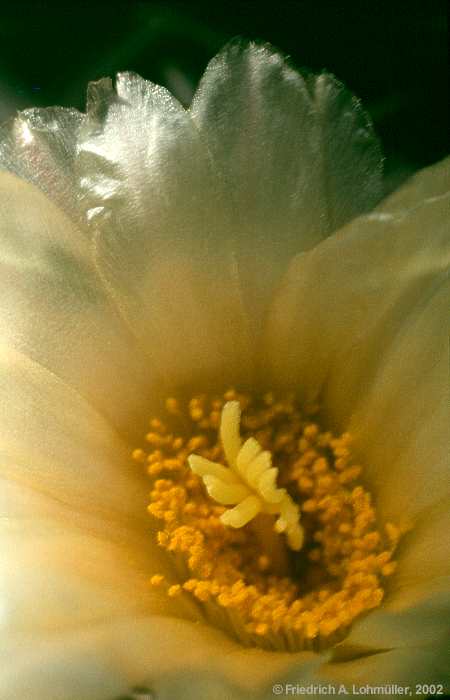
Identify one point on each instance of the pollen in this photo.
(265, 519)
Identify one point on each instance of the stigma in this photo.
(250, 482)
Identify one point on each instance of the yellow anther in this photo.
(196, 413)
(389, 569)
(392, 532)
(311, 630)
(310, 505)
(157, 425)
(172, 406)
(157, 580)
(154, 439)
(154, 456)
(174, 590)
(263, 562)
(177, 444)
(303, 445)
(305, 483)
(269, 398)
(172, 464)
(320, 466)
(311, 431)
(230, 395)
(162, 538)
(196, 442)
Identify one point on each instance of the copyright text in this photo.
(292, 689)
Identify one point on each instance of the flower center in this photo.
(250, 482)
(269, 530)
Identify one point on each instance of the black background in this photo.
(391, 54)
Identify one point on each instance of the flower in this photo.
(147, 249)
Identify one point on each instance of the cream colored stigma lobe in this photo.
(249, 484)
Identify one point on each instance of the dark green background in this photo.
(391, 54)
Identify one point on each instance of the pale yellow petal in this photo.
(54, 309)
(362, 325)
(146, 651)
(412, 616)
(297, 156)
(430, 182)
(162, 243)
(408, 407)
(404, 667)
(55, 443)
(416, 609)
(425, 554)
(63, 576)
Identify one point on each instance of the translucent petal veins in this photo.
(236, 553)
(296, 153)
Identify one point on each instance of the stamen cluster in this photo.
(311, 599)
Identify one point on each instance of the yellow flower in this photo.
(147, 250)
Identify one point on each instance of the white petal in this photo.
(162, 244)
(408, 407)
(425, 554)
(173, 657)
(416, 608)
(413, 616)
(54, 442)
(61, 577)
(75, 673)
(431, 182)
(64, 570)
(405, 667)
(39, 145)
(362, 322)
(54, 309)
(298, 157)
